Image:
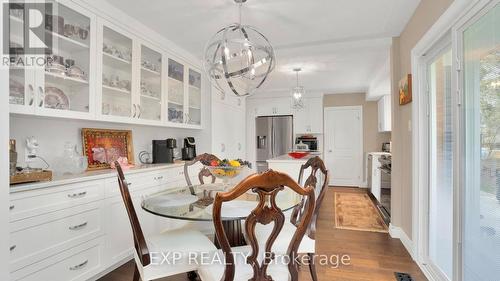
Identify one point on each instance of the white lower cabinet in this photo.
(54, 232)
(81, 262)
(78, 231)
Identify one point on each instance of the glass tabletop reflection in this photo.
(195, 203)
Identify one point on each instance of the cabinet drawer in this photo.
(78, 263)
(33, 203)
(54, 232)
(136, 182)
(141, 181)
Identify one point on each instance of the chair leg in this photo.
(137, 276)
(312, 266)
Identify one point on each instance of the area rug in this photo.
(356, 211)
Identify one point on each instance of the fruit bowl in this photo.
(225, 172)
(298, 154)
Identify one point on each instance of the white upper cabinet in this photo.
(228, 99)
(228, 125)
(384, 114)
(194, 97)
(176, 91)
(63, 85)
(272, 106)
(102, 70)
(185, 100)
(309, 120)
(116, 50)
(150, 104)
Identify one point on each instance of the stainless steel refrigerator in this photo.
(274, 138)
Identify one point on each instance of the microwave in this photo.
(312, 142)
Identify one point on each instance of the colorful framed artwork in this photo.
(102, 147)
(405, 94)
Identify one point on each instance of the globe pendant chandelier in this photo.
(239, 58)
(298, 93)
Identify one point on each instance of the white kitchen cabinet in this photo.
(228, 125)
(63, 215)
(384, 114)
(62, 87)
(82, 262)
(108, 72)
(117, 61)
(184, 100)
(309, 120)
(150, 104)
(272, 106)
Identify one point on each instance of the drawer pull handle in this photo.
(12, 247)
(78, 266)
(77, 195)
(11, 207)
(76, 227)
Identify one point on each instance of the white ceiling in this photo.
(340, 44)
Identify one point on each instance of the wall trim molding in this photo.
(398, 233)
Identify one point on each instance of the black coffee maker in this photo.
(189, 149)
(163, 151)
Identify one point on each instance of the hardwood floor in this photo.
(373, 256)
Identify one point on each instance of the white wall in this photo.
(4, 166)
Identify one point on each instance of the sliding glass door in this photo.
(439, 252)
(480, 259)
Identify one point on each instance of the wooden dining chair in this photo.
(204, 159)
(256, 261)
(148, 252)
(308, 244)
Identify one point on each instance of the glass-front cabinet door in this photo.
(150, 106)
(194, 95)
(176, 90)
(116, 83)
(21, 76)
(63, 87)
(55, 82)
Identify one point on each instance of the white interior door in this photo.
(344, 144)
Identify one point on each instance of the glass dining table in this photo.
(194, 203)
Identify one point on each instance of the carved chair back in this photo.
(204, 159)
(316, 164)
(267, 186)
(140, 245)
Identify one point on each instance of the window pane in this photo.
(441, 166)
(481, 228)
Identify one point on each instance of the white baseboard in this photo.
(397, 232)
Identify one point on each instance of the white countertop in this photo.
(287, 159)
(90, 175)
(379, 153)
